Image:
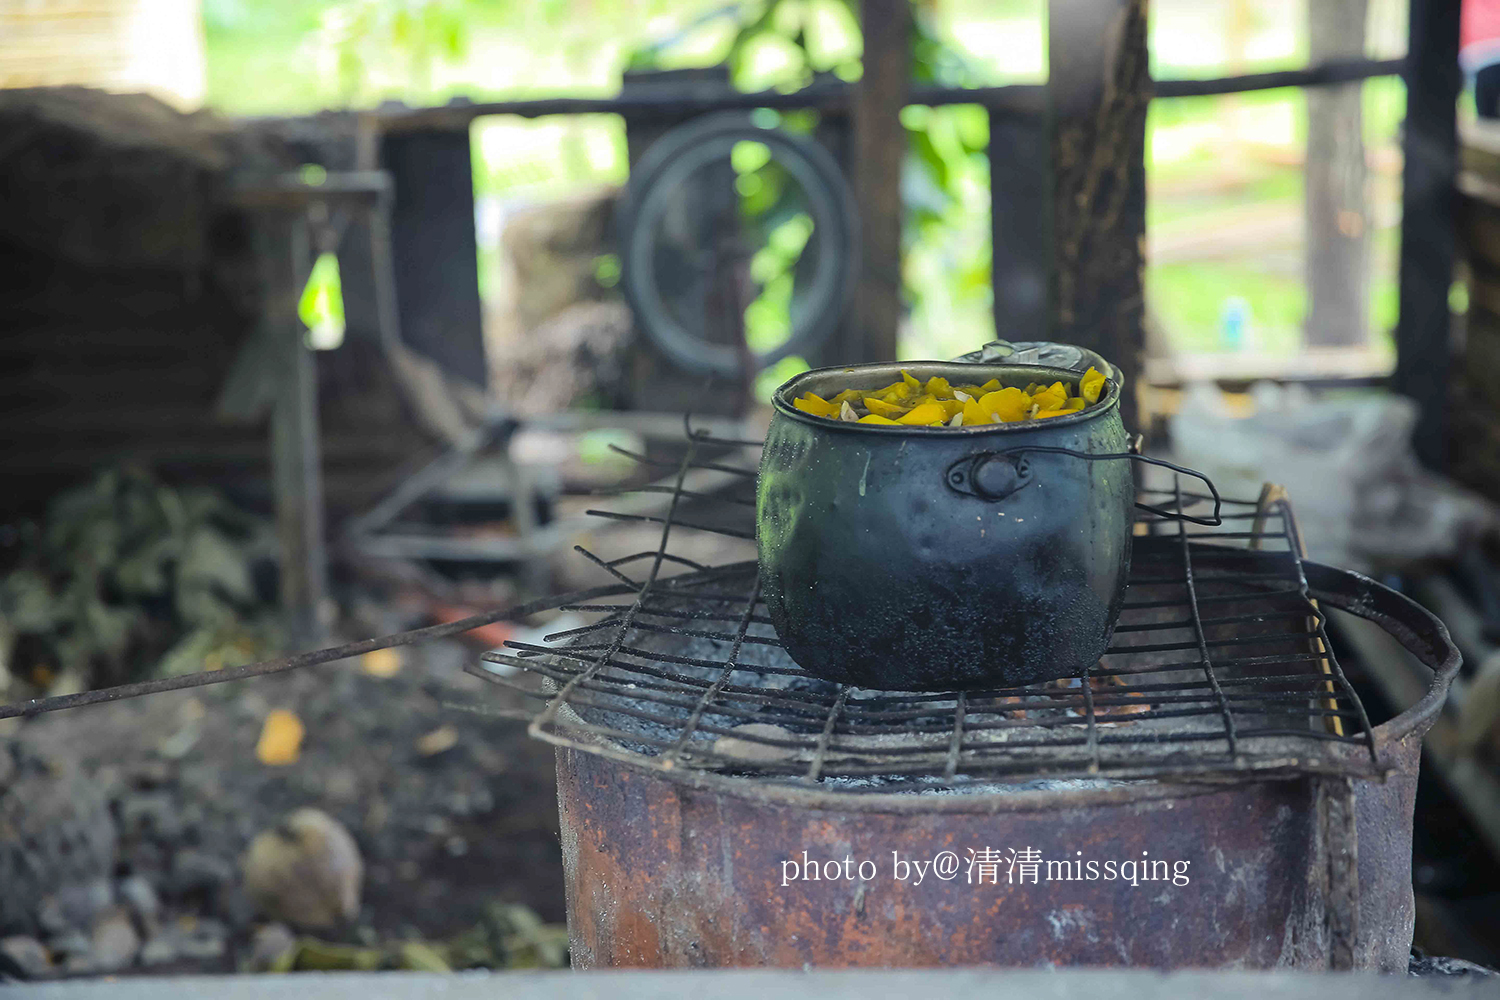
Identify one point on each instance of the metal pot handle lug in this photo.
(995, 475)
(989, 475)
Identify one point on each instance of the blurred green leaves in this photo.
(355, 37)
(126, 573)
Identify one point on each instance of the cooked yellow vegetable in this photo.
(1051, 398)
(816, 405)
(927, 413)
(877, 405)
(1091, 385)
(1009, 404)
(938, 403)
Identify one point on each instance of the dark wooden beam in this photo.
(1021, 226)
(1319, 74)
(879, 150)
(1337, 214)
(1019, 99)
(1428, 237)
(1099, 86)
(283, 248)
(435, 250)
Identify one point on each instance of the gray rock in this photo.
(137, 892)
(202, 940)
(306, 872)
(198, 871)
(114, 942)
(75, 907)
(161, 949)
(58, 832)
(72, 949)
(50, 916)
(235, 908)
(150, 814)
(29, 955)
(270, 946)
(206, 939)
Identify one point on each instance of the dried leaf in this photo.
(442, 738)
(280, 739)
(381, 662)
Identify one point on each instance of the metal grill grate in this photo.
(1220, 666)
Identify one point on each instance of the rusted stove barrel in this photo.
(680, 867)
(690, 874)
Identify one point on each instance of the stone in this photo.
(745, 746)
(150, 814)
(161, 949)
(70, 944)
(137, 892)
(114, 943)
(205, 939)
(235, 908)
(27, 954)
(199, 871)
(271, 947)
(74, 907)
(189, 940)
(306, 872)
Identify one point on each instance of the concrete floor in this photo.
(949, 984)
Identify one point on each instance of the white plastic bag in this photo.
(1359, 495)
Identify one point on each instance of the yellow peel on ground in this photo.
(280, 739)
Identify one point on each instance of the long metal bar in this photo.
(1202, 644)
(712, 691)
(1019, 99)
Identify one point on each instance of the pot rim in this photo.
(781, 399)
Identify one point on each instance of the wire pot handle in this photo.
(1214, 521)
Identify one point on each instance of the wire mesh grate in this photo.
(1220, 666)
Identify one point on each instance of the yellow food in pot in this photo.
(938, 403)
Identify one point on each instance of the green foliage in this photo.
(359, 37)
(126, 574)
(787, 44)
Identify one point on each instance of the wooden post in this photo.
(1428, 239)
(1098, 88)
(879, 150)
(436, 250)
(282, 240)
(1337, 216)
(1020, 225)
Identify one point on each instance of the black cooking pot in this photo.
(919, 558)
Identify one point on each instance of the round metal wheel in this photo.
(676, 240)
